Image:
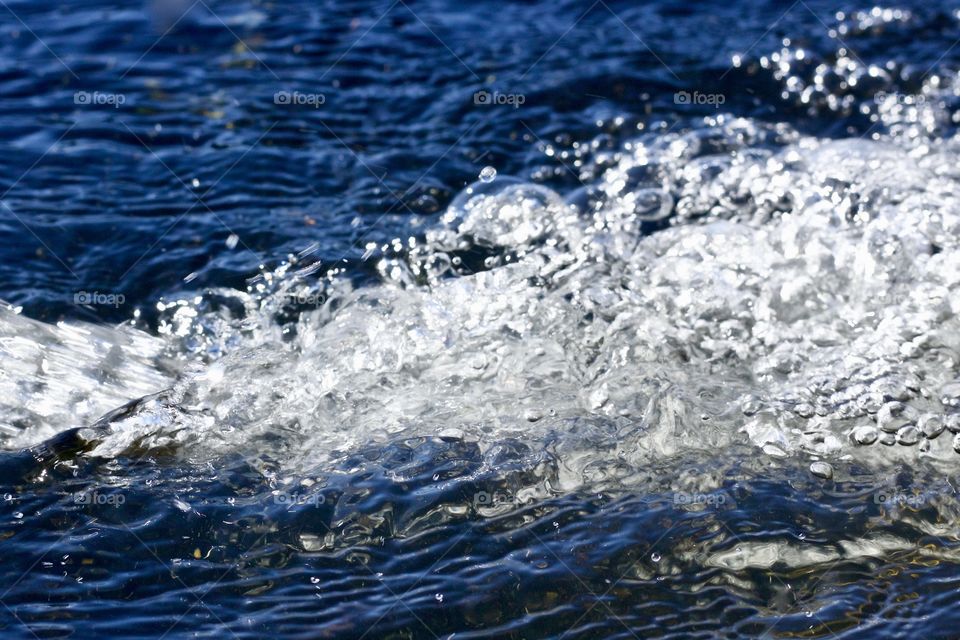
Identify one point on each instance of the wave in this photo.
(795, 293)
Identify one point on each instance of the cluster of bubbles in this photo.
(801, 299)
(733, 281)
(908, 101)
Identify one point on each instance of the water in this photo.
(379, 320)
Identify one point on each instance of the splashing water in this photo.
(601, 389)
(802, 292)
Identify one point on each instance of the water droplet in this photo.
(655, 557)
(865, 435)
(893, 416)
(488, 174)
(751, 406)
(950, 394)
(439, 597)
(952, 422)
(908, 435)
(870, 402)
(931, 425)
(804, 410)
(822, 470)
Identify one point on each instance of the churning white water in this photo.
(803, 298)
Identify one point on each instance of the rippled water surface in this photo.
(509, 320)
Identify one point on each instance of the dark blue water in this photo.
(155, 151)
(110, 203)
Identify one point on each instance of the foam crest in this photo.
(801, 290)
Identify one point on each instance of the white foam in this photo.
(804, 284)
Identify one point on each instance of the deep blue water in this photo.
(110, 201)
(144, 155)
